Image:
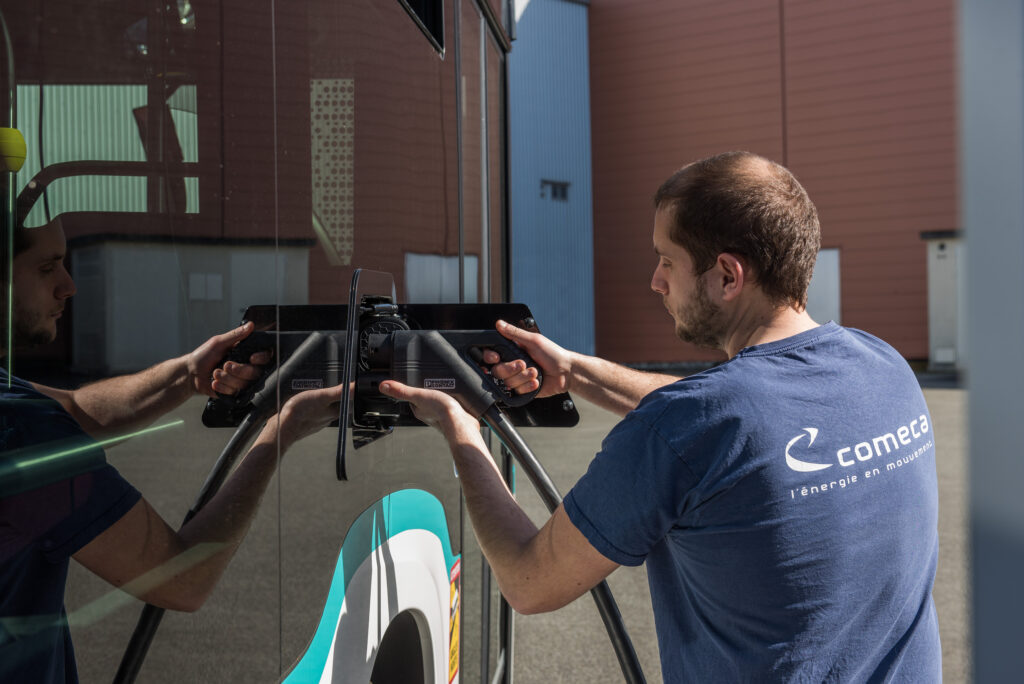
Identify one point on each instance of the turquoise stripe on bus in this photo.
(407, 509)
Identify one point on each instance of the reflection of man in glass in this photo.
(59, 498)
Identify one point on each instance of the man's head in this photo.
(724, 223)
(41, 283)
(745, 205)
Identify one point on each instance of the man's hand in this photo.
(555, 361)
(233, 377)
(304, 414)
(436, 409)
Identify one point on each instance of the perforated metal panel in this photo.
(332, 133)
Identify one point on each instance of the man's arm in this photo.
(141, 554)
(124, 403)
(537, 570)
(612, 387)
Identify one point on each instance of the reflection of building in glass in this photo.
(278, 153)
(183, 152)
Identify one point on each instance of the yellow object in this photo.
(12, 149)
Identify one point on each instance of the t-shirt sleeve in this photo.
(632, 494)
(58, 491)
(93, 501)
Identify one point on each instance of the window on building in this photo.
(556, 190)
(823, 300)
(429, 16)
(434, 278)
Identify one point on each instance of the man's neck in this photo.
(770, 325)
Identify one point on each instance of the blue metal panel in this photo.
(551, 238)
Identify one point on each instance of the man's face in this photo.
(697, 319)
(41, 287)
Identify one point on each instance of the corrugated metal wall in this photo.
(858, 99)
(96, 122)
(552, 235)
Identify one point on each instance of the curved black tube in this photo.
(624, 651)
(149, 620)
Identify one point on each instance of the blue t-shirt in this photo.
(57, 493)
(785, 503)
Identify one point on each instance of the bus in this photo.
(206, 157)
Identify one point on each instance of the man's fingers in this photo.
(242, 371)
(509, 369)
(517, 376)
(225, 383)
(235, 335)
(396, 390)
(517, 335)
(261, 358)
(524, 383)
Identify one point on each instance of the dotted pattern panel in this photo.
(332, 126)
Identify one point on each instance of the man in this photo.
(784, 501)
(59, 498)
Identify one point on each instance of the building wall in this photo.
(552, 236)
(857, 99)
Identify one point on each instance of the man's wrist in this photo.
(573, 360)
(459, 426)
(190, 373)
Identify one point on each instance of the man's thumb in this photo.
(238, 333)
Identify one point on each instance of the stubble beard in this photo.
(30, 330)
(699, 321)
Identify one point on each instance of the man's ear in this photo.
(732, 274)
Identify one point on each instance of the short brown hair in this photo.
(744, 204)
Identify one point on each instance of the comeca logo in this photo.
(884, 444)
(804, 466)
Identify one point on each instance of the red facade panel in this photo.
(670, 82)
(871, 131)
(857, 99)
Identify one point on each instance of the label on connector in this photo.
(302, 385)
(439, 383)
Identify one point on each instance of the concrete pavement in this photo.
(242, 628)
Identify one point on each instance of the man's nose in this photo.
(658, 284)
(66, 288)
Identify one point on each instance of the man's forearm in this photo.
(611, 386)
(224, 522)
(124, 403)
(177, 570)
(503, 530)
(538, 570)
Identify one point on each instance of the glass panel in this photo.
(134, 125)
(374, 186)
(204, 160)
(473, 147)
(496, 167)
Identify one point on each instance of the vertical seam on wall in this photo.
(782, 80)
(457, 39)
(277, 317)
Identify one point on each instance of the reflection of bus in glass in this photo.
(203, 157)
